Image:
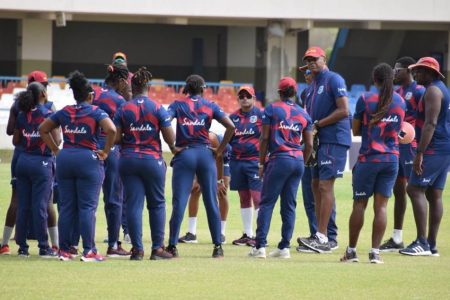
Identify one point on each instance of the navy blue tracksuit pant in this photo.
(309, 203)
(34, 186)
(80, 176)
(197, 160)
(113, 195)
(282, 177)
(144, 178)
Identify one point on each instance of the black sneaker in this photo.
(333, 244)
(160, 254)
(391, 246)
(375, 258)
(172, 249)
(189, 238)
(304, 249)
(349, 257)
(242, 241)
(136, 254)
(23, 253)
(217, 252)
(315, 244)
(48, 253)
(435, 252)
(416, 248)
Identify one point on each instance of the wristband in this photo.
(260, 166)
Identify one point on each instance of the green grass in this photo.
(195, 275)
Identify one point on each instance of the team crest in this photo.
(408, 96)
(320, 90)
(253, 119)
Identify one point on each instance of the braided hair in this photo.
(383, 75)
(140, 80)
(80, 86)
(194, 85)
(29, 99)
(116, 72)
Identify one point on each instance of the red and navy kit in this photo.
(194, 115)
(34, 170)
(141, 166)
(377, 166)
(79, 173)
(287, 120)
(141, 121)
(283, 172)
(245, 142)
(436, 158)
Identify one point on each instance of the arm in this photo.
(308, 142)
(338, 114)
(44, 130)
(16, 137)
(356, 127)
(169, 137)
(263, 145)
(109, 128)
(226, 122)
(118, 138)
(433, 101)
(219, 159)
(56, 135)
(11, 121)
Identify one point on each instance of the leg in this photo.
(400, 202)
(68, 212)
(356, 221)
(419, 204)
(434, 197)
(308, 200)
(24, 187)
(326, 188)
(194, 199)
(379, 219)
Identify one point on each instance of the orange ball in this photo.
(406, 134)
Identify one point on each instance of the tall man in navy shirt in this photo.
(329, 112)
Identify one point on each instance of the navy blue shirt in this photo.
(320, 102)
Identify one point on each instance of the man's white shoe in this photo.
(257, 253)
(280, 253)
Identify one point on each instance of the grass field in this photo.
(196, 275)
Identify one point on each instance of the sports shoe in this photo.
(315, 244)
(172, 249)
(280, 253)
(117, 253)
(435, 252)
(64, 255)
(217, 251)
(55, 248)
(92, 256)
(189, 238)
(333, 244)
(416, 248)
(223, 239)
(304, 249)
(242, 241)
(127, 238)
(48, 253)
(160, 254)
(251, 242)
(73, 252)
(391, 246)
(4, 250)
(136, 254)
(257, 253)
(23, 253)
(349, 257)
(375, 258)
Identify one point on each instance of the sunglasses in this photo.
(245, 96)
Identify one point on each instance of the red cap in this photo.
(119, 55)
(428, 62)
(287, 82)
(248, 89)
(314, 52)
(38, 76)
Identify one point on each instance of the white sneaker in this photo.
(257, 253)
(127, 239)
(280, 253)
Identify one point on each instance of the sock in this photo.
(256, 213)
(247, 220)
(53, 233)
(7, 232)
(322, 237)
(375, 250)
(223, 225)
(350, 250)
(115, 246)
(193, 225)
(397, 236)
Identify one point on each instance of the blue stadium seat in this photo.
(373, 89)
(355, 88)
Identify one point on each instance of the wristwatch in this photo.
(316, 123)
(220, 181)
